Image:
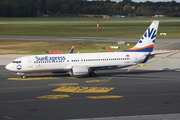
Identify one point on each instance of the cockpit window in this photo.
(16, 62)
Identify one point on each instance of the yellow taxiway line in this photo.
(142, 64)
(9, 118)
(94, 81)
(105, 97)
(64, 84)
(35, 78)
(54, 97)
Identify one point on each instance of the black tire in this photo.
(23, 76)
(92, 74)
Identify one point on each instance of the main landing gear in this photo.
(92, 74)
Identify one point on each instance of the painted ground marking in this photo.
(64, 84)
(94, 81)
(37, 78)
(104, 97)
(54, 97)
(78, 89)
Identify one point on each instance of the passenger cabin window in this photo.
(16, 61)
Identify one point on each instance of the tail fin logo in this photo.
(150, 33)
(146, 42)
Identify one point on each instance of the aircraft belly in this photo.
(42, 70)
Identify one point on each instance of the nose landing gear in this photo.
(23, 76)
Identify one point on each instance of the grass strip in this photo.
(41, 47)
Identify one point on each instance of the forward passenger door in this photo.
(30, 62)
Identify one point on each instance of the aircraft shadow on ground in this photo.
(136, 72)
(113, 73)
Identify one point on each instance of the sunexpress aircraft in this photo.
(85, 64)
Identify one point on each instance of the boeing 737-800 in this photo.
(85, 64)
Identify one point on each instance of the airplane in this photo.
(86, 64)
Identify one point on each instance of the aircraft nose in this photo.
(8, 67)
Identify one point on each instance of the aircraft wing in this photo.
(109, 66)
(101, 66)
(155, 53)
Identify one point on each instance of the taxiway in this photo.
(141, 92)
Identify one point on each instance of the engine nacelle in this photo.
(79, 71)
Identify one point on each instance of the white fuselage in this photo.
(64, 62)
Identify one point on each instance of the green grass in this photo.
(86, 27)
(40, 47)
(78, 27)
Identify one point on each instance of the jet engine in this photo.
(79, 71)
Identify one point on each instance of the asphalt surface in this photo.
(143, 92)
(58, 38)
(147, 91)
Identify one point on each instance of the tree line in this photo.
(38, 8)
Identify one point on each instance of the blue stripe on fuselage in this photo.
(140, 50)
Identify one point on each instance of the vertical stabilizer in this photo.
(71, 50)
(146, 42)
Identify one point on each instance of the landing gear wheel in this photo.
(23, 76)
(92, 74)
